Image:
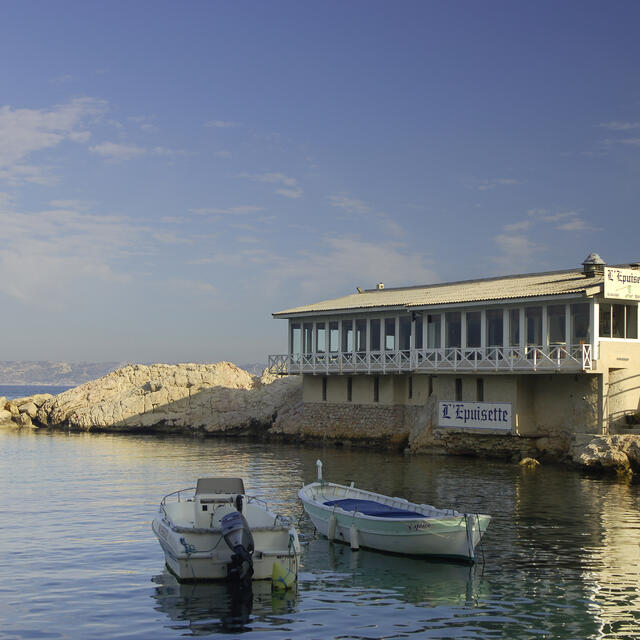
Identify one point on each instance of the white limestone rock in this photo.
(29, 408)
(601, 452)
(178, 398)
(5, 416)
(38, 399)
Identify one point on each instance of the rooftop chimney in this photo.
(380, 285)
(593, 265)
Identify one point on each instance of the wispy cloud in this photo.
(289, 188)
(221, 124)
(168, 237)
(620, 126)
(517, 245)
(115, 151)
(271, 177)
(24, 132)
(634, 142)
(487, 185)
(290, 193)
(63, 79)
(349, 205)
(227, 211)
(197, 286)
(515, 251)
(165, 151)
(60, 251)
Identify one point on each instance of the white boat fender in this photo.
(331, 533)
(319, 465)
(353, 538)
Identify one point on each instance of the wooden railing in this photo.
(529, 358)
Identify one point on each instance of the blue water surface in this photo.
(79, 560)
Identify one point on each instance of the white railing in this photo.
(530, 358)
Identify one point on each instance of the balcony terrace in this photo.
(566, 358)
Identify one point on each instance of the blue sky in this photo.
(171, 173)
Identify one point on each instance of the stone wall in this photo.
(345, 422)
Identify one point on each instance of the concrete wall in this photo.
(619, 363)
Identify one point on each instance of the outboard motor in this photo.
(237, 535)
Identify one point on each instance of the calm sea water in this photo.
(78, 558)
(11, 391)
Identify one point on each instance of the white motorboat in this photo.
(367, 519)
(215, 531)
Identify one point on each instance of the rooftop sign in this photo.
(623, 284)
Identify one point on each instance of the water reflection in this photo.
(207, 608)
(412, 580)
(562, 550)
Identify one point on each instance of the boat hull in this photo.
(204, 556)
(452, 536)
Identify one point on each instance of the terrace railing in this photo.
(557, 357)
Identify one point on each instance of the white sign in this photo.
(622, 283)
(478, 415)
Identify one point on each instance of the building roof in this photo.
(533, 285)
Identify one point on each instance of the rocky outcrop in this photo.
(21, 411)
(191, 398)
(617, 452)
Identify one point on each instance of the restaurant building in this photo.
(542, 355)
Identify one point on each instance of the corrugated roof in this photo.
(503, 288)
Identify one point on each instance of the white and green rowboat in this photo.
(367, 519)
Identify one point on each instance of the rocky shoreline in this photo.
(223, 399)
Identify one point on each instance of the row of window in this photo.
(566, 323)
(619, 321)
(376, 389)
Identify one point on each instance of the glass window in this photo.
(556, 324)
(410, 389)
(308, 337)
(618, 320)
(533, 324)
(361, 335)
(376, 389)
(390, 334)
(333, 337)
(405, 333)
(347, 336)
(321, 337)
(605, 320)
(417, 341)
(632, 321)
(474, 319)
(453, 326)
(514, 327)
(480, 389)
(494, 327)
(375, 334)
(349, 389)
(324, 388)
(433, 331)
(580, 322)
(296, 338)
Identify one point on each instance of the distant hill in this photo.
(45, 372)
(255, 368)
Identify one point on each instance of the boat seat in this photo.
(372, 508)
(220, 485)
